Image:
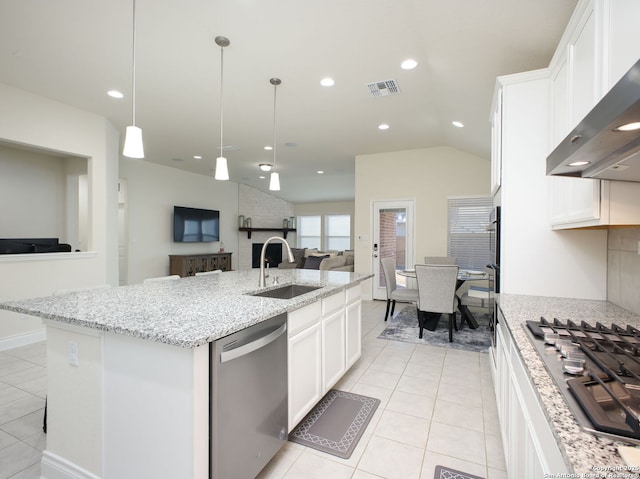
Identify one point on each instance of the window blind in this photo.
(468, 239)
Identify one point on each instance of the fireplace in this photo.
(273, 254)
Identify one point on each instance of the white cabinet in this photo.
(496, 142)
(600, 44)
(333, 340)
(304, 333)
(353, 314)
(323, 342)
(529, 445)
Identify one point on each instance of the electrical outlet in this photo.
(73, 353)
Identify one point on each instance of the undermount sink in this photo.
(287, 292)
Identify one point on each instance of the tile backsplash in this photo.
(623, 268)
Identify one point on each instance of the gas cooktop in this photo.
(597, 369)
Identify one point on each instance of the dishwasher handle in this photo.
(248, 348)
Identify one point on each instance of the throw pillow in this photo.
(313, 262)
(298, 256)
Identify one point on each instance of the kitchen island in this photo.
(576, 451)
(128, 386)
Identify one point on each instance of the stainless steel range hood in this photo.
(611, 154)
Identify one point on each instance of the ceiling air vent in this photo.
(384, 88)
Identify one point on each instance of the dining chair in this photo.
(436, 293)
(439, 260)
(465, 300)
(209, 273)
(404, 295)
(172, 277)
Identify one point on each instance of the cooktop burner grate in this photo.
(600, 366)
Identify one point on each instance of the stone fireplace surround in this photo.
(265, 211)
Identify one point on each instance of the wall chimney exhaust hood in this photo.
(602, 145)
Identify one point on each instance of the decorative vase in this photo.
(292, 222)
(241, 222)
(285, 223)
(247, 223)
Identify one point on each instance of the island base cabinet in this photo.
(305, 361)
(353, 325)
(530, 449)
(323, 342)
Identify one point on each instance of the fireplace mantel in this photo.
(285, 231)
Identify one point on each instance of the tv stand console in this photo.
(190, 264)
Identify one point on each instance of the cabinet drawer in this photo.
(332, 303)
(302, 318)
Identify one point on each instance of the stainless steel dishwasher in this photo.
(248, 392)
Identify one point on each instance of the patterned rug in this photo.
(404, 327)
(336, 423)
(446, 473)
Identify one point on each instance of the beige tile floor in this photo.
(437, 407)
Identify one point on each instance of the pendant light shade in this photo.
(133, 147)
(222, 170)
(274, 182)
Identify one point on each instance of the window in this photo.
(468, 239)
(309, 232)
(338, 232)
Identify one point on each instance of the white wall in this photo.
(35, 122)
(152, 192)
(536, 260)
(429, 176)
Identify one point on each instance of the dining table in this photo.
(463, 276)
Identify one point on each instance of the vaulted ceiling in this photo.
(75, 51)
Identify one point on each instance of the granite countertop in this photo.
(187, 312)
(582, 451)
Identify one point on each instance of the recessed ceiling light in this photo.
(262, 177)
(268, 148)
(115, 94)
(628, 127)
(327, 82)
(409, 64)
(579, 163)
(197, 157)
(383, 126)
(457, 124)
(320, 172)
(265, 166)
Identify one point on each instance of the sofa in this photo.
(306, 258)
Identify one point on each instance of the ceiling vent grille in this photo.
(230, 148)
(384, 88)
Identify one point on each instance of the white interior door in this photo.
(393, 233)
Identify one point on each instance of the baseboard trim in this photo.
(23, 339)
(53, 466)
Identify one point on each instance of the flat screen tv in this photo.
(195, 225)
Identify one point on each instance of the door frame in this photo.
(377, 205)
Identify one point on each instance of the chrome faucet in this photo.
(261, 282)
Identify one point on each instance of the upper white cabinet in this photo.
(600, 44)
(496, 142)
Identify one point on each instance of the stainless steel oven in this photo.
(493, 268)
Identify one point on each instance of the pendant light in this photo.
(133, 147)
(274, 181)
(222, 171)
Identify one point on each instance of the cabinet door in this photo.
(496, 143)
(305, 372)
(333, 349)
(354, 332)
(623, 36)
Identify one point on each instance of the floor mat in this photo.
(336, 423)
(404, 327)
(446, 473)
